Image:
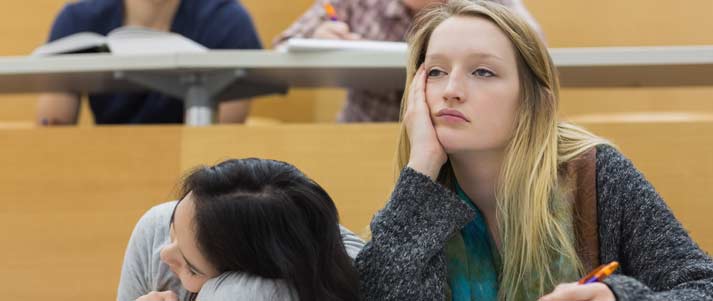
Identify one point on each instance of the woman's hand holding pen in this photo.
(427, 155)
(334, 29)
(577, 292)
(589, 288)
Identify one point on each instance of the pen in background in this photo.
(331, 12)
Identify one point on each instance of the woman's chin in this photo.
(458, 143)
(451, 141)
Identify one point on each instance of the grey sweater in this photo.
(143, 271)
(405, 259)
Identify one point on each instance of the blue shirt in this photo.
(215, 24)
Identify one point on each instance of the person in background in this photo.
(215, 24)
(499, 200)
(382, 20)
(258, 228)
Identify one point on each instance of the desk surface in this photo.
(97, 72)
(635, 66)
(578, 67)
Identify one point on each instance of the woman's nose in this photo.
(454, 89)
(168, 254)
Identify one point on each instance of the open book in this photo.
(309, 45)
(121, 41)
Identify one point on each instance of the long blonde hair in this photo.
(534, 213)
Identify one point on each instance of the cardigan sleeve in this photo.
(405, 258)
(659, 260)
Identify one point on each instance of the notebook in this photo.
(126, 40)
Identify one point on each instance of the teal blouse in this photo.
(473, 259)
(474, 263)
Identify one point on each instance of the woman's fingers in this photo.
(159, 296)
(412, 90)
(580, 292)
(427, 155)
(418, 89)
(417, 108)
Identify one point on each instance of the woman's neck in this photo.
(154, 14)
(477, 174)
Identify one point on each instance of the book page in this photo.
(309, 45)
(78, 42)
(138, 40)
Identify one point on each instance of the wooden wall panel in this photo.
(69, 197)
(623, 23)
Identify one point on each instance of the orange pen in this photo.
(603, 271)
(331, 12)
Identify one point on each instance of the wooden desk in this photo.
(663, 66)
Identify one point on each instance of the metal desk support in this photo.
(197, 89)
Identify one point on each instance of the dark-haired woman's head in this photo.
(261, 217)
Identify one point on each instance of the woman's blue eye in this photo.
(435, 72)
(483, 72)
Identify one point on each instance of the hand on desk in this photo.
(580, 292)
(335, 30)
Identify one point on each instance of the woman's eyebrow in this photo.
(474, 54)
(435, 57)
(486, 55)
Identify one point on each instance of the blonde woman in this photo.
(497, 199)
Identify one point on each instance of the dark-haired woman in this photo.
(260, 226)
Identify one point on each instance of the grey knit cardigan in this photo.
(405, 259)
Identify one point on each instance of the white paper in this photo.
(72, 43)
(311, 45)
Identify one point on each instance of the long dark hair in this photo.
(266, 218)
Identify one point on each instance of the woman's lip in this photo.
(452, 113)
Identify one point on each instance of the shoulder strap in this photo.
(586, 225)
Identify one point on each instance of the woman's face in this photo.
(472, 85)
(182, 254)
